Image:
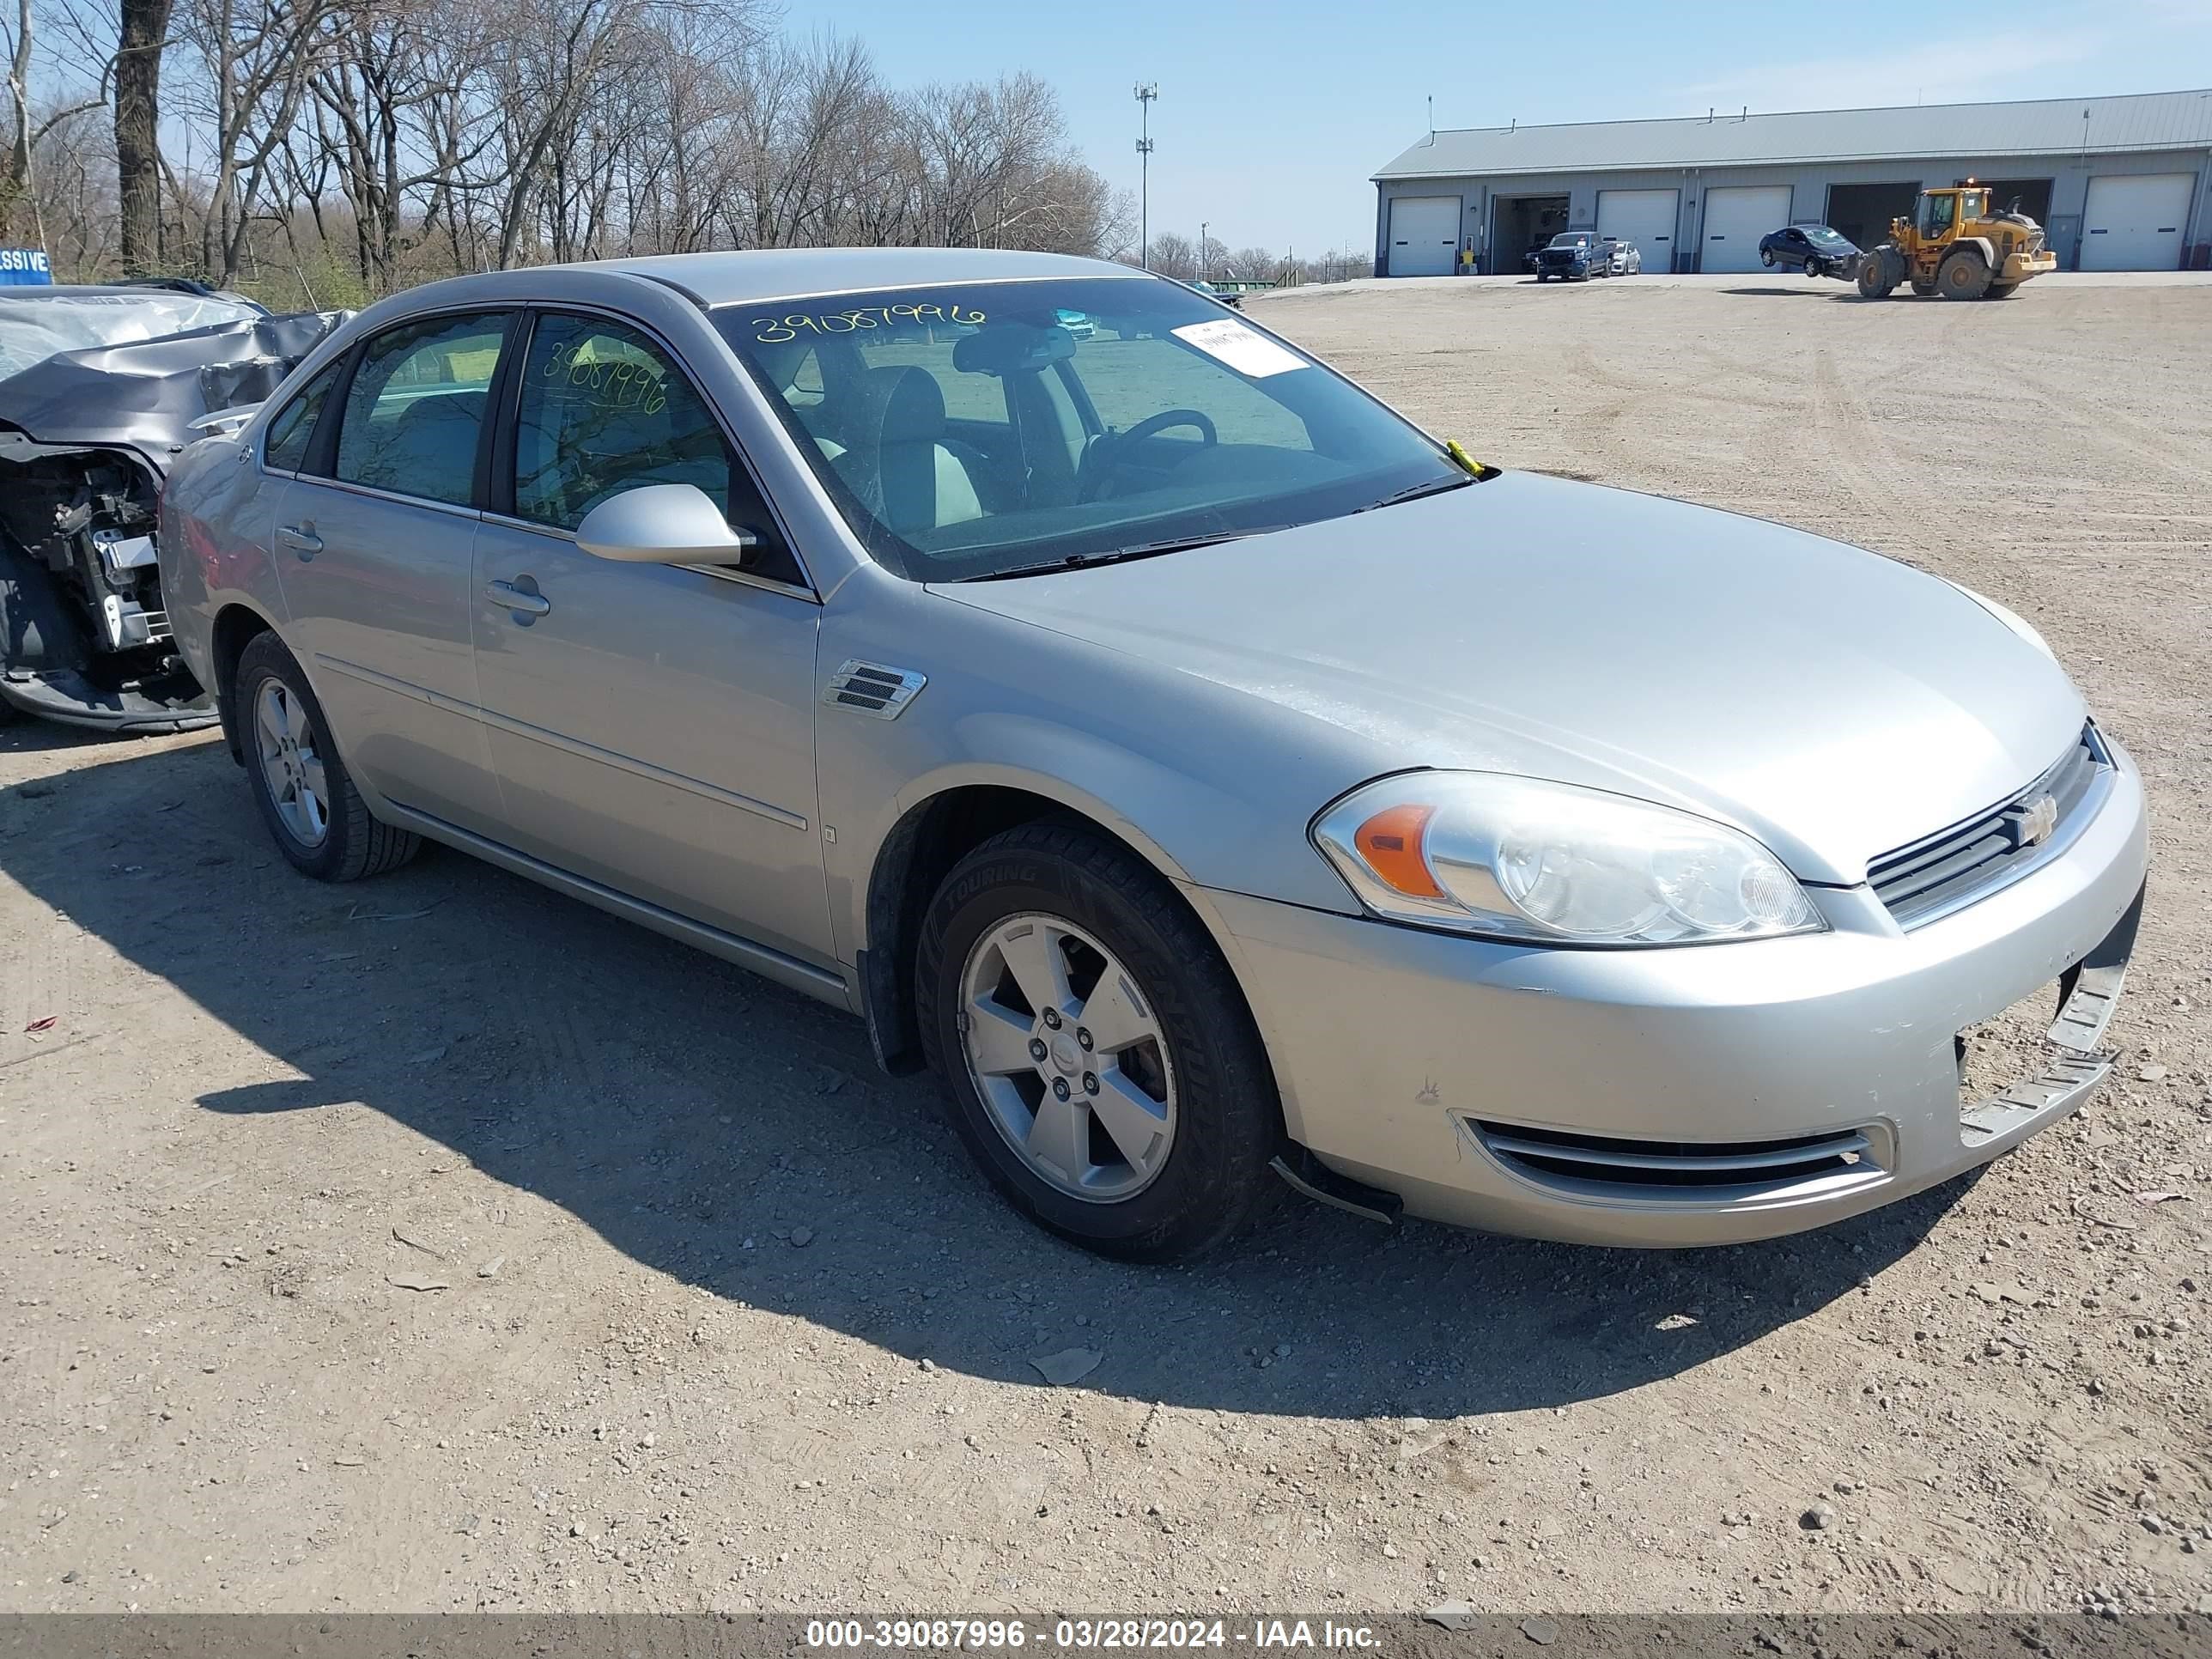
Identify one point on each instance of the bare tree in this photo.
(1174, 255)
(257, 59)
(349, 146)
(141, 34)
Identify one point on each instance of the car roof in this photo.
(714, 279)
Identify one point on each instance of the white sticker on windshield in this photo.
(1243, 350)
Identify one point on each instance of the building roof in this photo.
(2047, 126)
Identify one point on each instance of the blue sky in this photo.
(1271, 117)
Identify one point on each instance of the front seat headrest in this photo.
(901, 406)
(899, 415)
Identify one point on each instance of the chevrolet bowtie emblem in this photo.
(2037, 820)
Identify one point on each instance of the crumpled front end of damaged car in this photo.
(86, 440)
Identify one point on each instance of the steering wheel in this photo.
(1102, 457)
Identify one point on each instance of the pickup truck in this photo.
(1573, 256)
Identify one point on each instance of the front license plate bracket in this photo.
(2073, 1065)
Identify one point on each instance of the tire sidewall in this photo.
(1225, 1123)
(265, 660)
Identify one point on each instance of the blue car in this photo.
(1815, 249)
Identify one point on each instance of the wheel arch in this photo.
(236, 624)
(934, 833)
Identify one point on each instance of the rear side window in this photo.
(294, 429)
(416, 406)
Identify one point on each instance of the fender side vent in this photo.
(868, 687)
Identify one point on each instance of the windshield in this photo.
(1574, 239)
(963, 431)
(1826, 237)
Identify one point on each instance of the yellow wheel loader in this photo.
(1953, 246)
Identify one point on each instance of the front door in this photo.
(373, 545)
(653, 726)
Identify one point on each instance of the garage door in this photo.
(1645, 217)
(1423, 235)
(2135, 223)
(1736, 216)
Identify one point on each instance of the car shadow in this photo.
(736, 1137)
(29, 734)
(1806, 292)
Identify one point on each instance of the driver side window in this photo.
(601, 410)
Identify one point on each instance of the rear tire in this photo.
(1766, 258)
(315, 815)
(1964, 275)
(1046, 894)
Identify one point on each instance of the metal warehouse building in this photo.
(2120, 184)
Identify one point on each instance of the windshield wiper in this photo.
(1414, 492)
(1118, 555)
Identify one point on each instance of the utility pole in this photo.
(1147, 91)
(1201, 251)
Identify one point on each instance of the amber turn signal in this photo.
(1390, 841)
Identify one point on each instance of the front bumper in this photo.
(1446, 1070)
(72, 699)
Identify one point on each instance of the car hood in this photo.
(148, 393)
(1835, 703)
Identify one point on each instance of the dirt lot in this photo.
(725, 1321)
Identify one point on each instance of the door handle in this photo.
(518, 599)
(301, 539)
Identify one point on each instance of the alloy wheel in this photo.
(291, 766)
(1067, 1055)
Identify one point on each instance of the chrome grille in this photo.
(1678, 1168)
(1972, 859)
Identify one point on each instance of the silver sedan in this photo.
(1213, 777)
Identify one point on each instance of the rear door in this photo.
(372, 545)
(652, 725)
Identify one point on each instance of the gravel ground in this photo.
(440, 1243)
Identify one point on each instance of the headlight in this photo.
(1516, 859)
(2018, 625)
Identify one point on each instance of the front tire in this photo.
(307, 799)
(1875, 280)
(1098, 1059)
(1964, 275)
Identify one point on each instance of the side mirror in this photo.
(664, 524)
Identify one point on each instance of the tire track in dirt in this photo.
(2111, 429)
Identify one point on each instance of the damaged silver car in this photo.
(101, 388)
